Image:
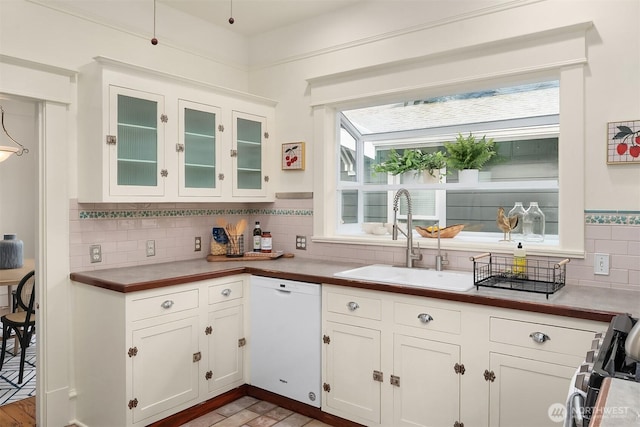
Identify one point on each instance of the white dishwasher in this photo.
(286, 336)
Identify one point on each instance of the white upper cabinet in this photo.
(248, 154)
(198, 148)
(145, 136)
(135, 143)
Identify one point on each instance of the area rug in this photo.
(10, 390)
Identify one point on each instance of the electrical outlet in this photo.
(301, 243)
(601, 264)
(95, 252)
(198, 244)
(151, 248)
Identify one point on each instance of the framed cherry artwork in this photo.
(623, 142)
(293, 156)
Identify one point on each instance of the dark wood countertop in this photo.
(581, 302)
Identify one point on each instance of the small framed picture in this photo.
(293, 156)
(623, 142)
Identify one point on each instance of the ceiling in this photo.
(257, 16)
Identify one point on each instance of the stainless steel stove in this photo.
(606, 358)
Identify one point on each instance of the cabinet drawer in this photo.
(225, 292)
(560, 339)
(160, 305)
(427, 317)
(354, 305)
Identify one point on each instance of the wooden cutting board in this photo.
(256, 257)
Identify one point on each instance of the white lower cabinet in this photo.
(143, 356)
(524, 390)
(531, 362)
(426, 387)
(379, 366)
(153, 365)
(226, 349)
(387, 359)
(352, 360)
(398, 360)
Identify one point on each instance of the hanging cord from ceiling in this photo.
(5, 152)
(154, 40)
(231, 20)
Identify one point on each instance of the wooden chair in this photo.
(22, 321)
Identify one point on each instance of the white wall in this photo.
(39, 32)
(368, 34)
(42, 34)
(346, 42)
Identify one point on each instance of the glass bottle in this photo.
(257, 236)
(533, 224)
(519, 211)
(266, 242)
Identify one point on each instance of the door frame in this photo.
(53, 89)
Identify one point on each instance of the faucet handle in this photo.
(445, 261)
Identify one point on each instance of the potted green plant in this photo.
(468, 155)
(415, 161)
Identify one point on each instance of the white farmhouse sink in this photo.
(445, 280)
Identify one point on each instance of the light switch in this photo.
(151, 248)
(601, 264)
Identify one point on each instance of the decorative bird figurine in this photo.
(506, 224)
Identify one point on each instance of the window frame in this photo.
(558, 54)
(570, 182)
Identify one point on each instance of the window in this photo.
(523, 120)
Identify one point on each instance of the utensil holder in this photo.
(219, 241)
(235, 246)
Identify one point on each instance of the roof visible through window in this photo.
(515, 102)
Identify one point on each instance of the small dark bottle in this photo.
(257, 237)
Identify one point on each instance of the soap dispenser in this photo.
(519, 260)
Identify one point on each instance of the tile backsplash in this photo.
(122, 231)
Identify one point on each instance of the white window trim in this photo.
(563, 58)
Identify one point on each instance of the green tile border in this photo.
(600, 217)
(184, 213)
(612, 217)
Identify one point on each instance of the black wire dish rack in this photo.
(539, 276)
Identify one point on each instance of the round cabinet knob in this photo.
(167, 304)
(353, 306)
(539, 337)
(226, 292)
(425, 318)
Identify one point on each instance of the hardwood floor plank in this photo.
(21, 413)
(6, 420)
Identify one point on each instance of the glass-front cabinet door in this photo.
(136, 142)
(249, 136)
(198, 149)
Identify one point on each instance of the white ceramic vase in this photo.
(422, 177)
(468, 176)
